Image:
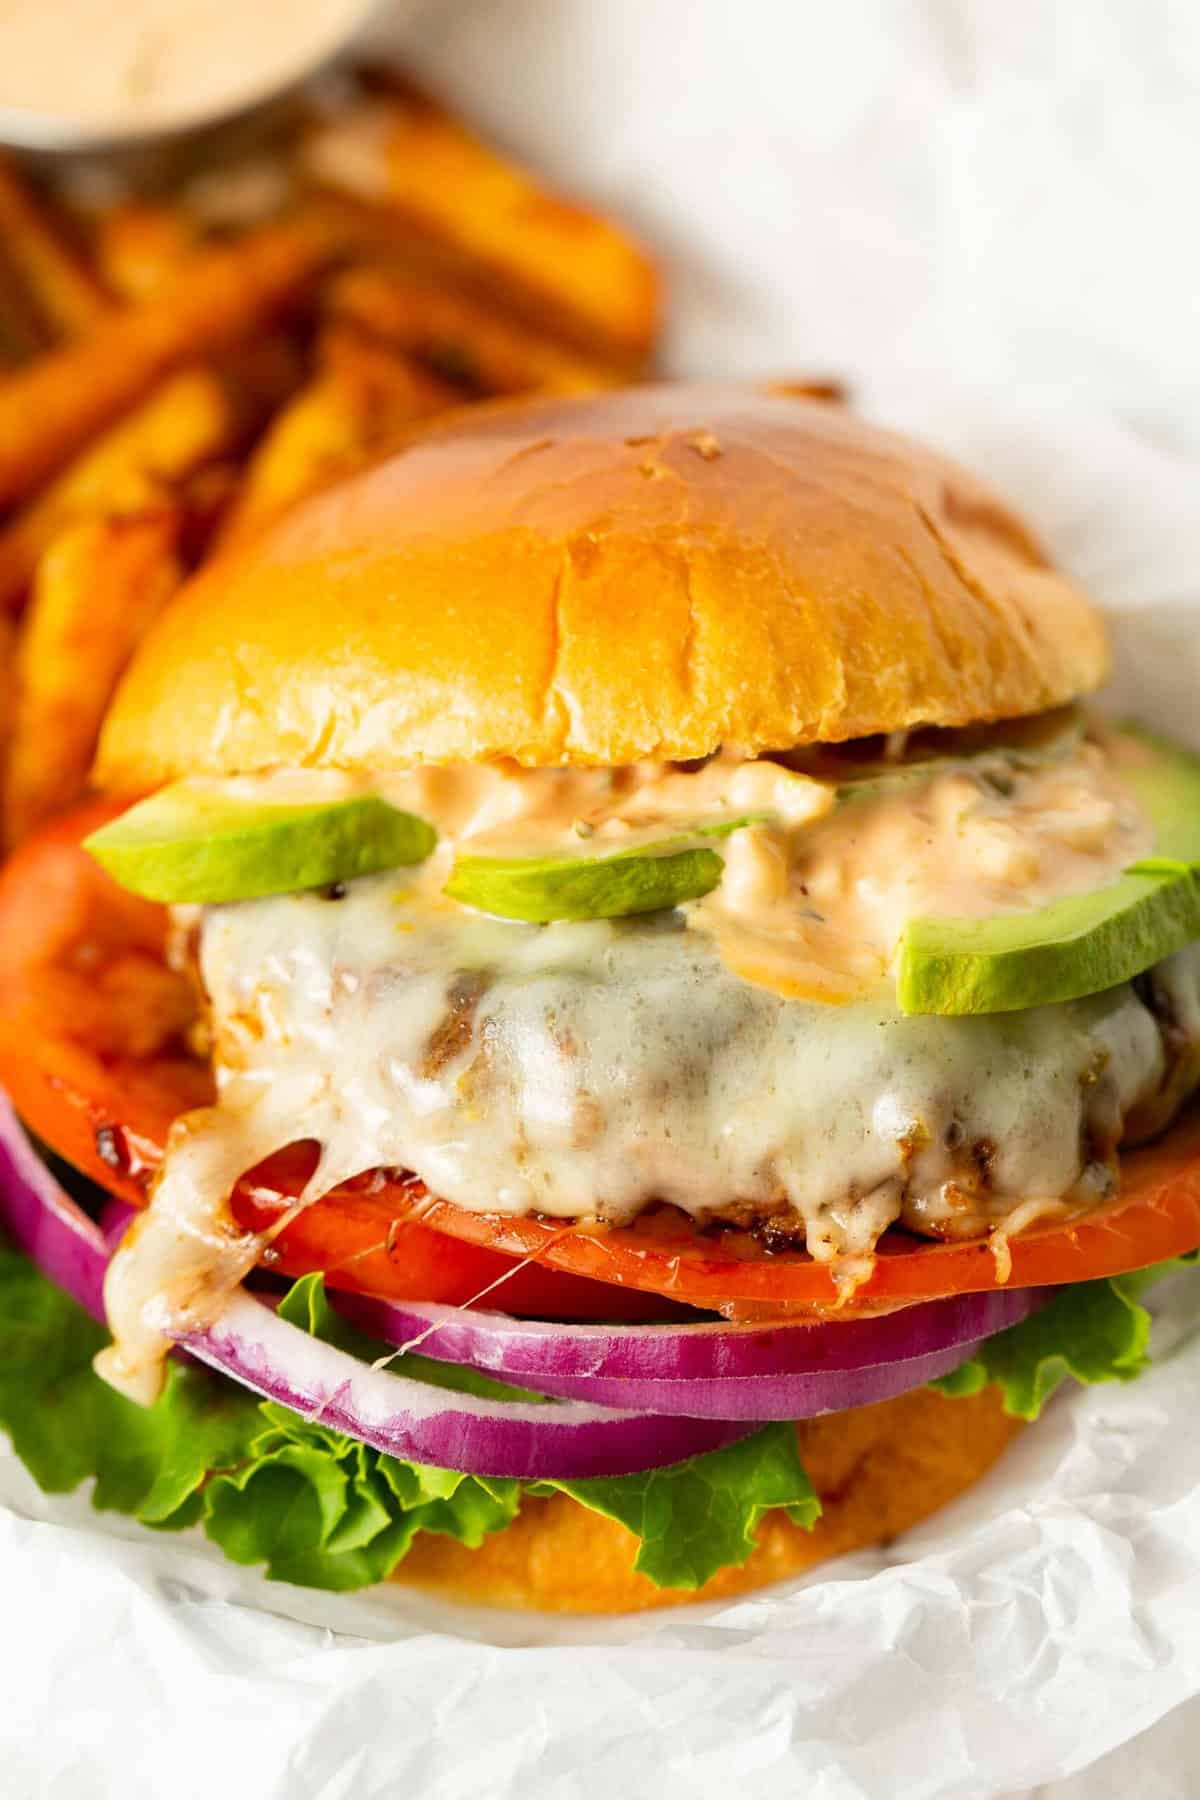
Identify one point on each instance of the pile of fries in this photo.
(175, 372)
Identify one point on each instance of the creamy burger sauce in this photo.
(816, 891)
(819, 913)
(150, 64)
(585, 1070)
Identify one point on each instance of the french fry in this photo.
(566, 269)
(362, 401)
(459, 338)
(62, 288)
(141, 246)
(50, 410)
(98, 587)
(193, 419)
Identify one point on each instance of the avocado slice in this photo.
(1081, 944)
(643, 878)
(197, 842)
(658, 874)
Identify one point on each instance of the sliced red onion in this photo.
(709, 1383)
(707, 1370)
(416, 1422)
(408, 1419)
(46, 1223)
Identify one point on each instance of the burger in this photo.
(614, 1025)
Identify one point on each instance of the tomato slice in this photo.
(92, 1022)
(93, 1030)
(1155, 1215)
(359, 1237)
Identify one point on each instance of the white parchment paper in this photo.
(983, 216)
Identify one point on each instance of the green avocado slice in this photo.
(653, 875)
(1081, 944)
(192, 843)
(541, 889)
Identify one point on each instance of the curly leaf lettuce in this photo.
(1093, 1331)
(700, 1516)
(310, 1505)
(319, 1509)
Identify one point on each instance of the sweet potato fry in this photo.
(98, 587)
(459, 338)
(363, 400)
(51, 409)
(564, 268)
(140, 246)
(194, 418)
(63, 290)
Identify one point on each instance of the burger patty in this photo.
(588, 1070)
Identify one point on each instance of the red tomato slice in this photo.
(92, 1022)
(101, 1087)
(1156, 1215)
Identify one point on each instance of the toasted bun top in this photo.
(646, 574)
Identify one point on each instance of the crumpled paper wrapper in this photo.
(964, 211)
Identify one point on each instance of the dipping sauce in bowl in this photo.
(79, 71)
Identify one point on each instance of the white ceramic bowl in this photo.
(161, 144)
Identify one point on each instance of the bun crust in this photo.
(646, 574)
(878, 1470)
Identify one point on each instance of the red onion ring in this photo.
(825, 1368)
(417, 1422)
(46, 1223)
(707, 1370)
(408, 1419)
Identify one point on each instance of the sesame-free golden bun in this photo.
(645, 574)
(878, 1471)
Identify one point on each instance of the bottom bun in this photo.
(878, 1470)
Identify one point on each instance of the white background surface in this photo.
(984, 215)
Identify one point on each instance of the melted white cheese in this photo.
(583, 1071)
(579, 1071)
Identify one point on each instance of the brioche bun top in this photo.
(645, 574)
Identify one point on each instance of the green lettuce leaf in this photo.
(67, 1425)
(1093, 1331)
(692, 1518)
(315, 1507)
(700, 1516)
(322, 1510)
